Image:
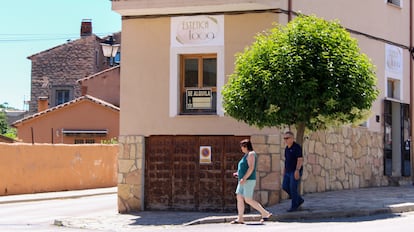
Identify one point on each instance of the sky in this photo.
(28, 27)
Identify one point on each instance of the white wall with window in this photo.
(394, 71)
(196, 65)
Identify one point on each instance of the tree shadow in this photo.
(372, 217)
(159, 218)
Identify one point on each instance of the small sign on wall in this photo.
(393, 61)
(205, 154)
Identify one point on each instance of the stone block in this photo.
(122, 206)
(132, 151)
(121, 178)
(276, 163)
(264, 163)
(274, 197)
(121, 139)
(258, 139)
(274, 139)
(316, 170)
(270, 182)
(134, 178)
(124, 191)
(134, 204)
(309, 186)
(262, 197)
(311, 159)
(311, 146)
(319, 148)
(261, 148)
(274, 149)
(332, 139)
(125, 166)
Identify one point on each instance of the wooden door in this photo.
(175, 179)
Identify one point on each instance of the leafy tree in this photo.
(11, 133)
(3, 122)
(309, 74)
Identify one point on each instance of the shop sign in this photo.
(202, 30)
(393, 61)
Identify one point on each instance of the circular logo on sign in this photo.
(205, 152)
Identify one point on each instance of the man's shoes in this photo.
(297, 208)
(301, 202)
(292, 210)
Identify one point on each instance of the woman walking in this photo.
(246, 173)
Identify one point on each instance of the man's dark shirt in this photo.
(291, 157)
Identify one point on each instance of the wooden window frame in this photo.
(182, 89)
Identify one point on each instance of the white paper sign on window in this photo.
(393, 61)
(201, 30)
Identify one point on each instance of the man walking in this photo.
(292, 171)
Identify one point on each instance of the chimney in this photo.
(42, 104)
(84, 90)
(86, 27)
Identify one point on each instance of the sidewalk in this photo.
(56, 195)
(334, 204)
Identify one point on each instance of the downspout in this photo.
(411, 86)
(290, 10)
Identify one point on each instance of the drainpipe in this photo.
(290, 10)
(411, 87)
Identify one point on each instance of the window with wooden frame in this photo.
(198, 84)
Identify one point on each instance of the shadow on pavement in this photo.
(348, 219)
(167, 217)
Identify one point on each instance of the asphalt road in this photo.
(39, 216)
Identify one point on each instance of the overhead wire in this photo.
(16, 38)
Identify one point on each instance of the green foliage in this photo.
(4, 126)
(309, 72)
(110, 141)
(3, 122)
(11, 133)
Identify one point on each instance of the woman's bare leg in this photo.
(240, 208)
(257, 206)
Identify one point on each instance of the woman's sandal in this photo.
(265, 219)
(236, 222)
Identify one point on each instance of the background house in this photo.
(103, 85)
(83, 120)
(74, 92)
(55, 71)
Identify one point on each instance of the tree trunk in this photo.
(300, 133)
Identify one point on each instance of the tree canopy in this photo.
(309, 73)
(3, 122)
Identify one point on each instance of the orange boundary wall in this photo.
(27, 168)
